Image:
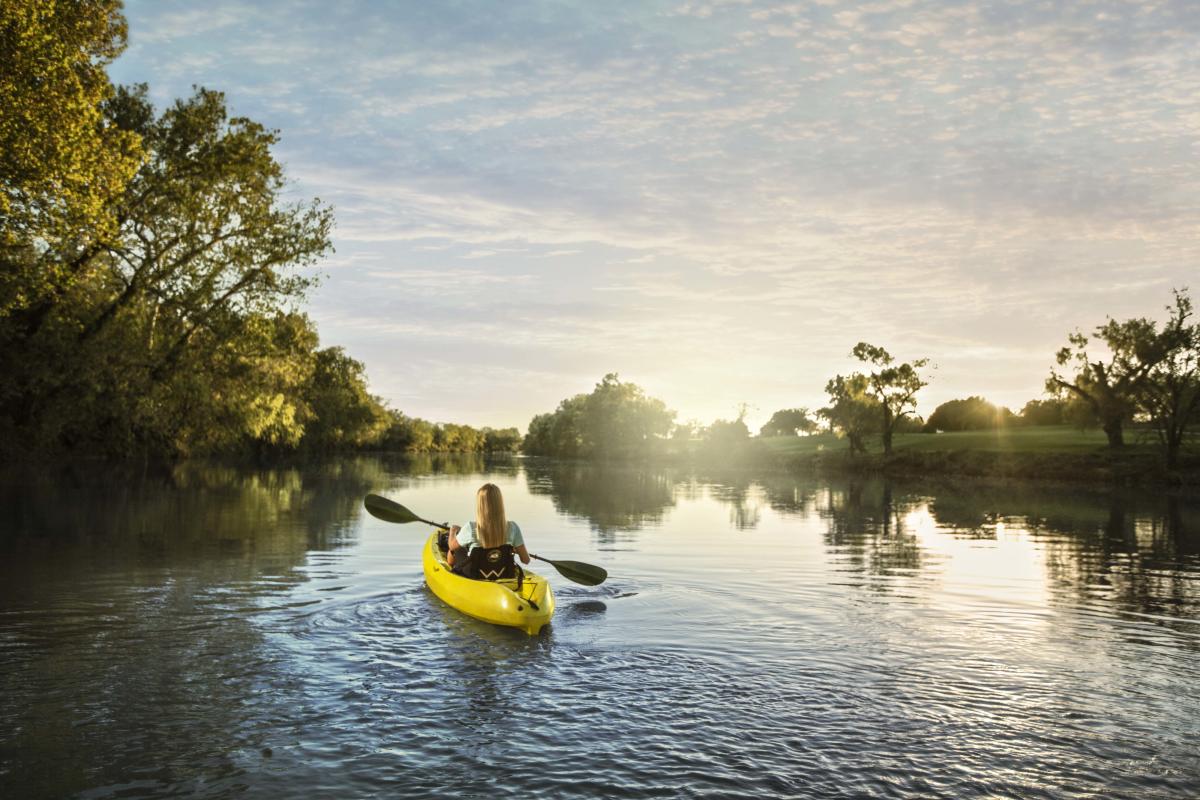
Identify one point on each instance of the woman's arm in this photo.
(523, 553)
(452, 544)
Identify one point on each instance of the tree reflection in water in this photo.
(127, 600)
(617, 500)
(1125, 545)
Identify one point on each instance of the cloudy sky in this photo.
(715, 199)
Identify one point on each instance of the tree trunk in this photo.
(1115, 433)
(887, 430)
(1173, 439)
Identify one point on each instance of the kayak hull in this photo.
(497, 602)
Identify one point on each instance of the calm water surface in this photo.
(229, 633)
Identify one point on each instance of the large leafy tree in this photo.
(853, 412)
(894, 385)
(789, 422)
(1170, 395)
(342, 412)
(616, 419)
(968, 414)
(160, 338)
(62, 164)
(620, 419)
(1111, 382)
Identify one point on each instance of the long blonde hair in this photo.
(489, 516)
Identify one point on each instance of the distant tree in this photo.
(616, 419)
(1111, 386)
(1170, 396)
(407, 434)
(789, 422)
(853, 412)
(684, 432)
(619, 419)
(502, 440)
(725, 432)
(343, 413)
(969, 414)
(1044, 412)
(894, 385)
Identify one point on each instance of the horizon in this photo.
(659, 189)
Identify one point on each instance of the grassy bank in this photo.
(1043, 454)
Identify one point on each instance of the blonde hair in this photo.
(489, 516)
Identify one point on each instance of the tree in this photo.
(159, 334)
(1044, 412)
(62, 164)
(502, 440)
(789, 422)
(968, 414)
(852, 411)
(894, 385)
(724, 433)
(616, 419)
(619, 419)
(1170, 395)
(342, 413)
(1111, 386)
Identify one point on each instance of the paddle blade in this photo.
(388, 510)
(579, 572)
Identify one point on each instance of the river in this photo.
(227, 632)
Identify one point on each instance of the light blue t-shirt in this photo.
(467, 537)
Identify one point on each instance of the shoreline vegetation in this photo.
(151, 285)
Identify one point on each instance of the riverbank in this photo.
(1043, 454)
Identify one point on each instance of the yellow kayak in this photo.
(497, 602)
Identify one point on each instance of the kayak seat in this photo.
(490, 564)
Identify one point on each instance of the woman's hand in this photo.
(523, 553)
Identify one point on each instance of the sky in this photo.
(716, 200)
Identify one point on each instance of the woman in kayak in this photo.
(491, 530)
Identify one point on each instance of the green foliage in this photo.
(150, 264)
(62, 165)
(853, 412)
(725, 433)
(1044, 412)
(894, 385)
(969, 414)
(1170, 395)
(616, 420)
(1112, 386)
(342, 414)
(412, 435)
(503, 440)
(789, 422)
(407, 434)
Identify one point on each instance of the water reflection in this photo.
(615, 499)
(1126, 547)
(223, 632)
(867, 530)
(126, 616)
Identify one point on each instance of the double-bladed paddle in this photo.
(391, 511)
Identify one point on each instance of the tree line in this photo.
(151, 273)
(1132, 371)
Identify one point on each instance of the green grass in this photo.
(1048, 439)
